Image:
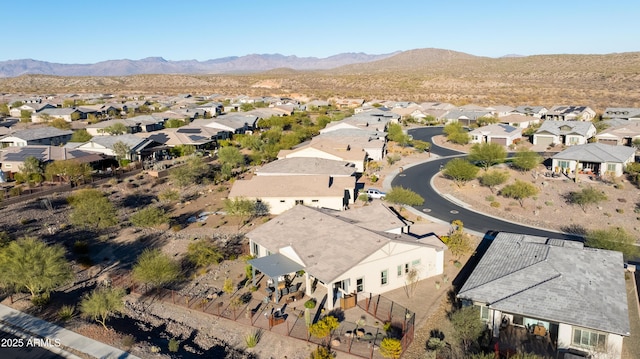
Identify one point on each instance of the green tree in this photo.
(116, 129)
(487, 154)
(203, 253)
(122, 152)
(231, 155)
(391, 348)
(459, 244)
(400, 195)
(585, 197)
(30, 264)
(155, 268)
(455, 133)
(92, 209)
(190, 173)
(460, 171)
(25, 116)
(174, 123)
(149, 217)
(244, 209)
(453, 127)
(60, 123)
(4, 109)
(80, 136)
(493, 178)
(615, 239)
(519, 190)
(421, 145)
(183, 150)
(227, 286)
(395, 134)
(102, 303)
(323, 327)
(467, 325)
(70, 171)
(31, 171)
(460, 138)
(526, 160)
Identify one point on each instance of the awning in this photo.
(275, 265)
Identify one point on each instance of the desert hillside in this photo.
(598, 81)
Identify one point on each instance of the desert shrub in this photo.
(174, 345)
(548, 203)
(128, 341)
(489, 198)
(391, 159)
(81, 247)
(252, 339)
(495, 204)
(66, 312)
(169, 195)
(620, 210)
(363, 197)
(149, 217)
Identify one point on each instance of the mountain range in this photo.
(158, 65)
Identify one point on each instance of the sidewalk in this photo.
(53, 334)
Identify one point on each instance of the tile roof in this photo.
(597, 152)
(554, 280)
(307, 166)
(565, 127)
(292, 186)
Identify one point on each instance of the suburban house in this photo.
(49, 136)
(534, 111)
(145, 123)
(140, 149)
(67, 113)
(12, 158)
(373, 142)
(501, 110)
(621, 135)
(32, 107)
(596, 158)
(519, 120)
(566, 133)
(331, 150)
(341, 257)
(212, 108)
(466, 117)
(281, 193)
(624, 113)
(199, 137)
(235, 123)
(348, 102)
(496, 133)
(570, 113)
(577, 294)
(376, 217)
(307, 166)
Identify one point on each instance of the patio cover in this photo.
(275, 265)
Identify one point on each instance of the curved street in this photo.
(418, 179)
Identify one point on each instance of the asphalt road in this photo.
(418, 177)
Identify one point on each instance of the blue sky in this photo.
(91, 31)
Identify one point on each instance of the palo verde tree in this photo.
(80, 136)
(31, 171)
(203, 253)
(155, 268)
(586, 197)
(92, 208)
(245, 209)
(391, 348)
(30, 264)
(493, 178)
(323, 328)
(615, 239)
(116, 129)
(455, 133)
(102, 303)
(519, 190)
(460, 171)
(487, 154)
(122, 151)
(192, 172)
(526, 160)
(70, 171)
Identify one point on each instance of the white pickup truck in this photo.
(375, 193)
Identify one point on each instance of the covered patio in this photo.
(278, 269)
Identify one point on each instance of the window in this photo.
(299, 201)
(314, 200)
(406, 267)
(573, 140)
(484, 311)
(282, 201)
(360, 285)
(518, 320)
(563, 164)
(384, 277)
(415, 263)
(399, 271)
(256, 250)
(611, 167)
(589, 339)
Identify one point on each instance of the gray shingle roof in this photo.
(40, 133)
(558, 281)
(597, 152)
(565, 127)
(307, 166)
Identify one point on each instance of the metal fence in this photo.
(353, 338)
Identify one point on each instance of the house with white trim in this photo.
(496, 133)
(568, 133)
(596, 158)
(340, 256)
(577, 294)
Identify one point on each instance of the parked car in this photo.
(375, 193)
